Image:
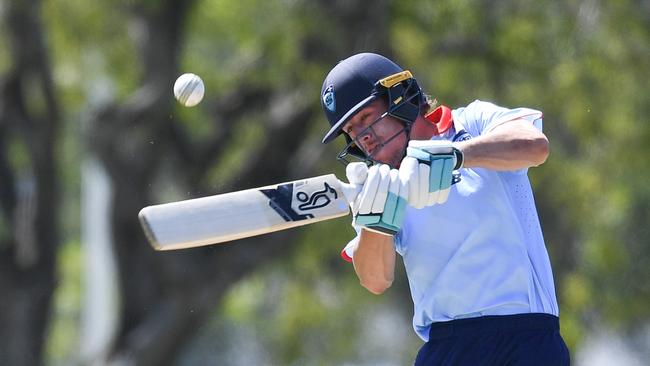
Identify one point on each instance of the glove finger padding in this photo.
(370, 189)
(416, 176)
(408, 176)
(440, 179)
(396, 205)
(393, 197)
(405, 173)
(388, 206)
(367, 195)
(382, 190)
(423, 186)
(440, 156)
(445, 179)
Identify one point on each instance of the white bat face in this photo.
(246, 213)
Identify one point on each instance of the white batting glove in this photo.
(414, 179)
(379, 206)
(428, 169)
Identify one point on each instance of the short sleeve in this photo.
(481, 117)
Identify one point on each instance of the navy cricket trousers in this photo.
(506, 340)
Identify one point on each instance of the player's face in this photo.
(381, 138)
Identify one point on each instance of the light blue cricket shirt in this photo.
(482, 252)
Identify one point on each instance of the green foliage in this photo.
(248, 133)
(63, 337)
(5, 59)
(93, 50)
(232, 42)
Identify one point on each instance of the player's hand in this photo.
(428, 169)
(379, 206)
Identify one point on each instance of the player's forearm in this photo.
(374, 261)
(511, 146)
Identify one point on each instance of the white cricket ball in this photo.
(189, 89)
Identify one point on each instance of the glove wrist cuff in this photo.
(460, 158)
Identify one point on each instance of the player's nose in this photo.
(368, 142)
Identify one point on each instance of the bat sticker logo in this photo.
(280, 201)
(317, 199)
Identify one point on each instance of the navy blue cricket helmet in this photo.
(362, 78)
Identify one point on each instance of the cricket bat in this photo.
(236, 215)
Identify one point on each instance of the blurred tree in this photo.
(29, 186)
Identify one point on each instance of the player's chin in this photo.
(391, 153)
(387, 159)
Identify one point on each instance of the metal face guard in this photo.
(355, 149)
(404, 98)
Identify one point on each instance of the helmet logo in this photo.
(328, 99)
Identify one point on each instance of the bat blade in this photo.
(237, 215)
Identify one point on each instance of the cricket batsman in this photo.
(448, 190)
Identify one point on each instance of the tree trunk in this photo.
(29, 234)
